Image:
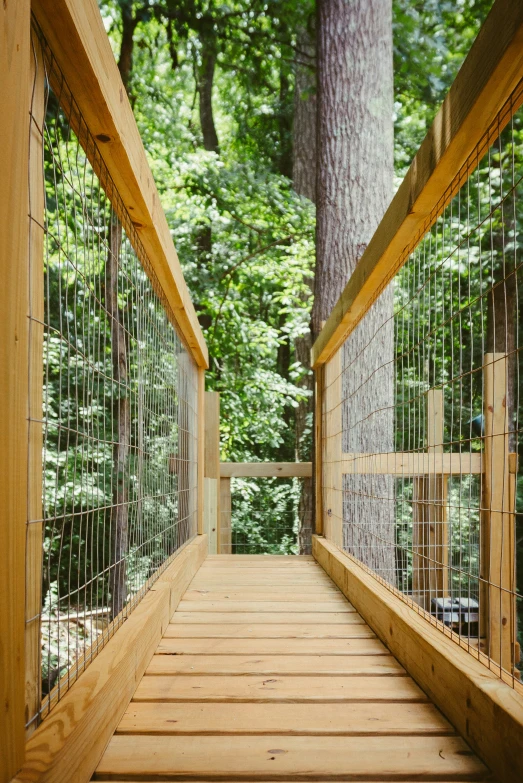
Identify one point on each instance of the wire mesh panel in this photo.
(118, 402)
(264, 517)
(422, 413)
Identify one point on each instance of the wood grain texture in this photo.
(265, 469)
(69, 743)
(257, 594)
(15, 91)
(376, 664)
(486, 712)
(311, 719)
(492, 69)
(266, 757)
(354, 628)
(273, 608)
(260, 646)
(264, 618)
(76, 34)
(289, 688)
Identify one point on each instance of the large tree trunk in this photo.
(304, 181)
(354, 187)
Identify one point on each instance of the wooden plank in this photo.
(210, 512)
(68, 744)
(201, 451)
(222, 558)
(261, 594)
(34, 539)
(319, 386)
(266, 607)
(77, 37)
(265, 469)
(273, 757)
(413, 463)
(353, 628)
(225, 518)
(15, 87)
(306, 566)
(498, 556)
(264, 646)
(430, 534)
(285, 719)
(491, 71)
(206, 587)
(265, 618)
(298, 689)
(485, 711)
(377, 665)
(332, 486)
(212, 470)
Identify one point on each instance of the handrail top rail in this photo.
(265, 469)
(491, 71)
(75, 32)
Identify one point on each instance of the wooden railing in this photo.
(77, 729)
(481, 103)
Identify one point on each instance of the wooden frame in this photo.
(265, 469)
(68, 744)
(15, 79)
(77, 37)
(487, 712)
(212, 470)
(491, 71)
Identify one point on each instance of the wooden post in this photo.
(318, 450)
(225, 518)
(201, 450)
(34, 541)
(15, 95)
(430, 543)
(212, 470)
(332, 452)
(497, 566)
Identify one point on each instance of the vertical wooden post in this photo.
(430, 526)
(497, 533)
(15, 97)
(332, 455)
(201, 450)
(225, 518)
(34, 540)
(318, 450)
(212, 470)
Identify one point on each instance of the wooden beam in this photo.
(201, 449)
(332, 428)
(226, 517)
(413, 463)
(498, 556)
(75, 32)
(69, 743)
(15, 98)
(317, 447)
(490, 73)
(486, 712)
(34, 540)
(265, 469)
(212, 470)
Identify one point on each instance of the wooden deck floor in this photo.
(266, 672)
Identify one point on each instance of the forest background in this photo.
(224, 97)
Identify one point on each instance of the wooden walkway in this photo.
(266, 672)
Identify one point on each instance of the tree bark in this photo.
(304, 181)
(354, 187)
(205, 82)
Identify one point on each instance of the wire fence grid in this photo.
(423, 413)
(114, 405)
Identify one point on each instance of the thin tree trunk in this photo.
(205, 82)
(354, 187)
(304, 181)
